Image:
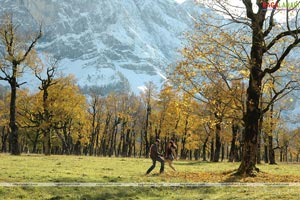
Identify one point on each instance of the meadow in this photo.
(119, 171)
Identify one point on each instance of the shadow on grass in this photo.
(150, 193)
(67, 180)
(110, 193)
(190, 163)
(82, 179)
(122, 193)
(232, 176)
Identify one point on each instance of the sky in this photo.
(180, 1)
(280, 15)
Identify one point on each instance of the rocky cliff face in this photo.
(109, 41)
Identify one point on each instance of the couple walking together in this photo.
(170, 155)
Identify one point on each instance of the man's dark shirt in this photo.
(154, 151)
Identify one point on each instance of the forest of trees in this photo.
(67, 122)
(225, 99)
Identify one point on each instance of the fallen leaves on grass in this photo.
(230, 176)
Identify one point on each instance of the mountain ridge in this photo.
(105, 42)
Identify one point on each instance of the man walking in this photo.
(156, 156)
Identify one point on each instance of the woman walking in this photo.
(171, 153)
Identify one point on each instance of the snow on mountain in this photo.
(105, 42)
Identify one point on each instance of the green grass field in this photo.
(81, 169)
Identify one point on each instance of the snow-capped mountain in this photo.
(103, 42)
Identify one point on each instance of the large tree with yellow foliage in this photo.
(263, 46)
(17, 52)
(67, 127)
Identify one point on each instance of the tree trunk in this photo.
(253, 113)
(14, 139)
(204, 149)
(77, 148)
(112, 140)
(66, 140)
(271, 150)
(94, 139)
(183, 152)
(218, 144)
(97, 139)
(249, 154)
(35, 141)
(46, 117)
(141, 145)
(92, 142)
(286, 153)
(47, 142)
(281, 154)
(147, 147)
(121, 141)
(270, 138)
(105, 138)
(227, 151)
(131, 143)
(212, 149)
(259, 140)
(93, 133)
(4, 136)
(197, 154)
(190, 152)
(134, 145)
(233, 149)
(126, 143)
(266, 157)
(222, 152)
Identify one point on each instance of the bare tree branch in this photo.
(280, 94)
(280, 36)
(282, 57)
(31, 46)
(271, 22)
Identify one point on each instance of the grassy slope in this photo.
(38, 168)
